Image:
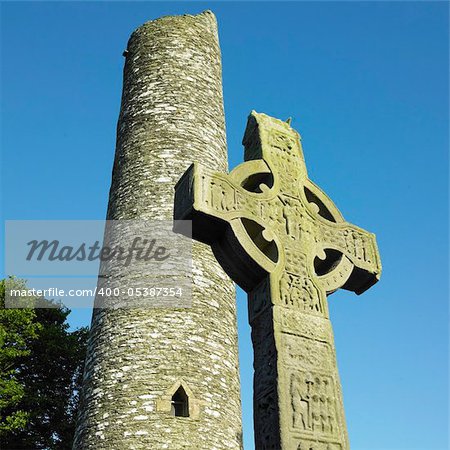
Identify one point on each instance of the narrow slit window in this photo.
(180, 403)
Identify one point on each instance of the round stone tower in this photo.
(166, 378)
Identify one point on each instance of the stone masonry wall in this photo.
(171, 115)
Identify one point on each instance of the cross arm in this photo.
(195, 201)
(224, 210)
(356, 256)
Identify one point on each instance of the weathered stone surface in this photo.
(171, 115)
(285, 242)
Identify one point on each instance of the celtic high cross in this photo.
(286, 244)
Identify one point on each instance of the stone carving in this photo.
(296, 261)
(298, 323)
(221, 195)
(284, 241)
(291, 216)
(300, 293)
(313, 403)
(302, 352)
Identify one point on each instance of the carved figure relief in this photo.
(221, 196)
(301, 394)
(270, 212)
(313, 403)
(291, 216)
(246, 203)
(300, 293)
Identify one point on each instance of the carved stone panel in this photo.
(300, 293)
(302, 352)
(314, 406)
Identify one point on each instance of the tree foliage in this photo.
(41, 365)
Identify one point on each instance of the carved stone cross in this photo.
(286, 244)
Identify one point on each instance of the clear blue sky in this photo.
(367, 86)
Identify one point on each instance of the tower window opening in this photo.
(180, 403)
